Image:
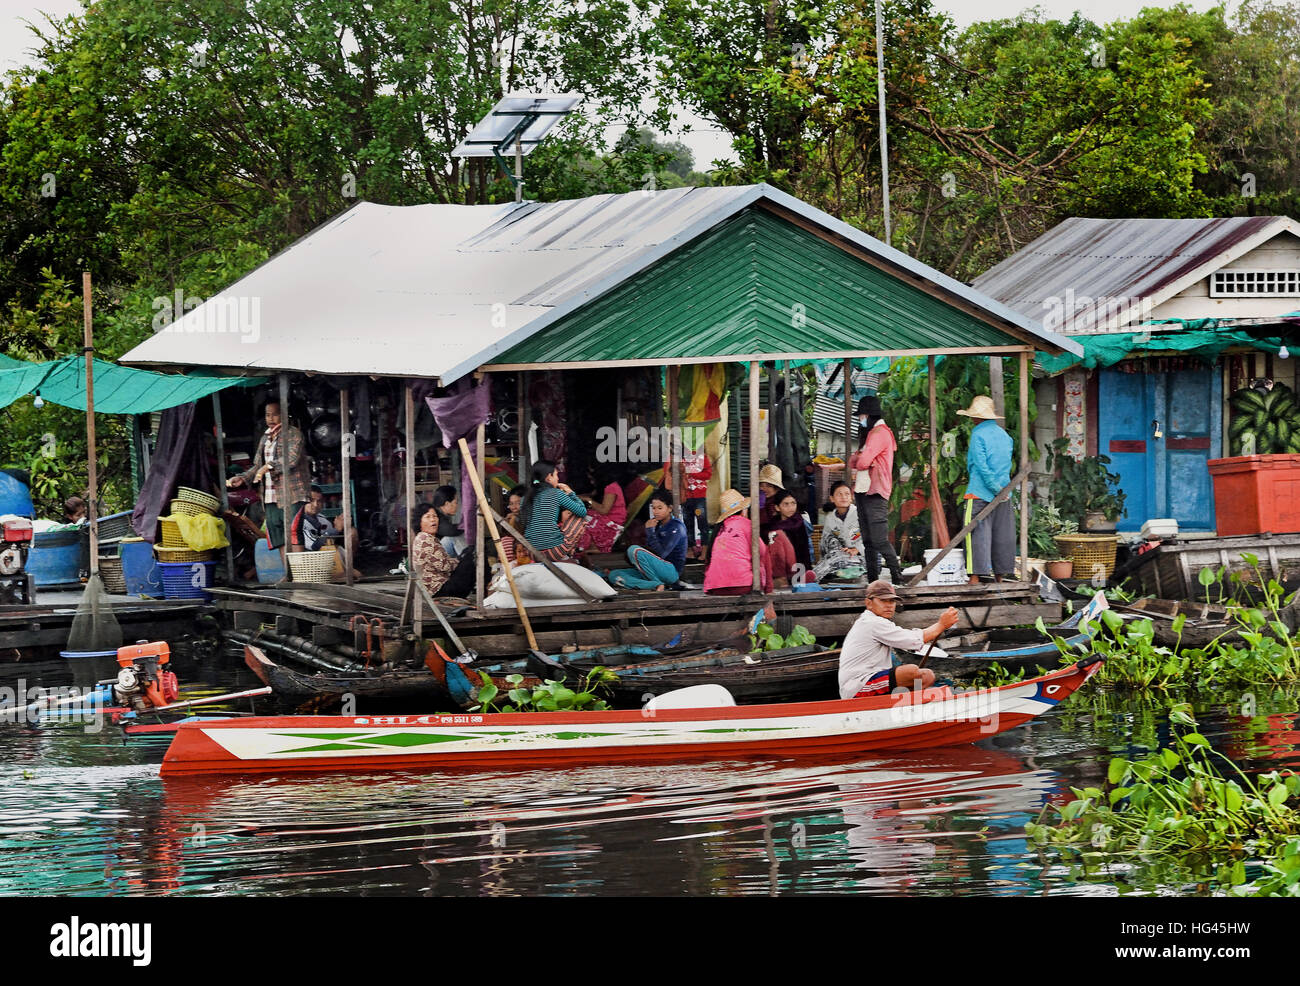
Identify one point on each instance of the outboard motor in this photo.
(144, 681)
(15, 583)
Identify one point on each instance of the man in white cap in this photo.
(991, 547)
(866, 659)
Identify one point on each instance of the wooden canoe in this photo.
(911, 721)
(1203, 623)
(1172, 569)
(297, 686)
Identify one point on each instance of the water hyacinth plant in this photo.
(549, 696)
(1188, 805)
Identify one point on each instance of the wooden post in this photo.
(846, 369)
(997, 389)
(753, 476)
(220, 430)
(347, 449)
(284, 472)
(674, 477)
(417, 604)
(934, 450)
(523, 428)
(1025, 369)
(480, 470)
(92, 466)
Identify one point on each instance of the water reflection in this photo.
(87, 814)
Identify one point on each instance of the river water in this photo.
(85, 813)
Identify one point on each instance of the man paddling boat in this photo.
(866, 659)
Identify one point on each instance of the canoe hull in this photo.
(911, 721)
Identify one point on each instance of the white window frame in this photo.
(1236, 282)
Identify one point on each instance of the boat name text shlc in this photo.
(418, 721)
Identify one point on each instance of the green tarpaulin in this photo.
(1109, 349)
(118, 389)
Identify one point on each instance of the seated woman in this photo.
(553, 535)
(511, 548)
(840, 530)
(661, 561)
(730, 568)
(440, 574)
(606, 518)
(447, 502)
(784, 532)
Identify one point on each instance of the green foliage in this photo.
(904, 395)
(1083, 485)
(1045, 524)
(1186, 803)
(767, 639)
(549, 696)
(1265, 424)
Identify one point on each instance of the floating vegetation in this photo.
(549, 696)
(1189, 808)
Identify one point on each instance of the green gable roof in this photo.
(757, 285)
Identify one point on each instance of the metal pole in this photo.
(417, 622)
(480, 469)
(884, 135)
(281, 486)
(934, 451)
(220, 430)
(519, 170)
(753, 476)
(347, 449)
(1025, 368)
(92, 466)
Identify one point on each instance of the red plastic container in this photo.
(1256, 493)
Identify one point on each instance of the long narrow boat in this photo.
(909, 721)
(414, 686)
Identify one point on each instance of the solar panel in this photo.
(521, 116)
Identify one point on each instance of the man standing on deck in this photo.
(283, 489)
(991, 547)
(866, 659)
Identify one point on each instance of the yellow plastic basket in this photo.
(166, 554)
(209, 503)
(1091, 553)
(171, 534)
(188, 508)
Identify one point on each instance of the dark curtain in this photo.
(178, 460)
(458, 416)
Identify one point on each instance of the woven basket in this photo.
(188, 509)
(171, 534)
(209, 503)
(110, 573)
(1087, 551)
(169, 556)
(311, 566)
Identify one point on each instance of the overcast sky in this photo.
(16, 38)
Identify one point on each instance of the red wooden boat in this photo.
(908, 721)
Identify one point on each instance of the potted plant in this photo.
(1084, 490)
(1045, 523)
(1254, 487)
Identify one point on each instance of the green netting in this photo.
(118, 389)
(1109, 349)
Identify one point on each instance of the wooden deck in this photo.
(41, 631)
(324, 613)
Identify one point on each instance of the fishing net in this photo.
(95, 627)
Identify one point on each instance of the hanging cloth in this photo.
(458, 415)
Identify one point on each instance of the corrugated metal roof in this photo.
(439, 290)
(755, 285)
(1101, 274)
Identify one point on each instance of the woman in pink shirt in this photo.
(873, 482)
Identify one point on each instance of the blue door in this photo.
(1160, 430)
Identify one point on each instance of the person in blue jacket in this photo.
(660, 563)
(991, 547)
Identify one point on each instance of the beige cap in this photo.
(771, 474)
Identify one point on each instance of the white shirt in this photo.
(867, 649)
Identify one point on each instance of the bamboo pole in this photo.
(846, 369)
(347, 449)
(1025, 367)
(416, 603)
(753, 476)
(934, 449)
(997, 388)
(485, 512)
(220, 430)
(674, 478)
(281, 486)
(92, 466)
(480, 470)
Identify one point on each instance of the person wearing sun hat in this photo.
(991, 547)
(730, 568)
(769, 481)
